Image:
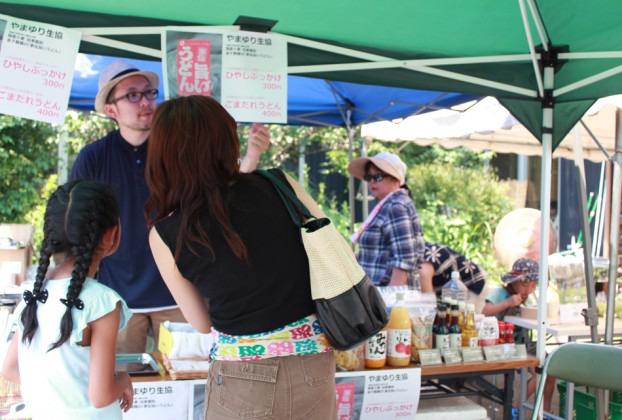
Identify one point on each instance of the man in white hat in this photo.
(128, 95)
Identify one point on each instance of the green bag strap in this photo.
(296, 209)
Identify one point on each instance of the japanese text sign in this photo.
(36, 69)
(245, 71)
(382, 394)
(160, 400)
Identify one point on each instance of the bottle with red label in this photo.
(399, 334)
(509, 333)
(501, 339)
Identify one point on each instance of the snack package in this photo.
(353, 359)
(422, 310)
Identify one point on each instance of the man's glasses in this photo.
(135, 97)
(376, 177)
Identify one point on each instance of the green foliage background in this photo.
(458, 195)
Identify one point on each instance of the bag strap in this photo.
(297, 211)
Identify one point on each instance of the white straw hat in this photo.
(114, 74)
(387, 162)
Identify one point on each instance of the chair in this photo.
(595, 365)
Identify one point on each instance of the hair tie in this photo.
(31, 298)
(71, 303)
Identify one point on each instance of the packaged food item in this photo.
(422, 312)
(489, 331)
(350, 359)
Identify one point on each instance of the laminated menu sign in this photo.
(161, 400)
(36, 69)
(382, 394)
(245, 71)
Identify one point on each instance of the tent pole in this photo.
(589, 314)
(614, 235)
(351, 192)
(545, 206)
(365, 189)
(545, 211)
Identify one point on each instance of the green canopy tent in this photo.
(546, 61)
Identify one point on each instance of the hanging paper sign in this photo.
(36, 69)
(245, 71)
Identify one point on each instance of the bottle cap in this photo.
(471, 307)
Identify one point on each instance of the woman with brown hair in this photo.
(222, 236)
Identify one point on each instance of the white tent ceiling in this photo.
(487, 125)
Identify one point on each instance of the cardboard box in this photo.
(15, 251)
(178, 340)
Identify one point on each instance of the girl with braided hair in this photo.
(63, 352)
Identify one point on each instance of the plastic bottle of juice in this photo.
(399, 334)
(376, 350)
(470, 336)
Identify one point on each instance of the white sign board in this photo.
(361, 395)
(160, 400)
(36, 69)
(382, 394)
(245, 71)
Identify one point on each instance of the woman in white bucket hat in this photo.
(390, 240)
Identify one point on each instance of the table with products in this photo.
(437, 381)
(468, 379)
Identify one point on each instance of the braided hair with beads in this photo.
(77, 215)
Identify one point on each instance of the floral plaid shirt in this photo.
(393, 239)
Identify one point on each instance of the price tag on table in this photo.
(451, 356)
(472, 354)
(509, 351)
(430, 357)
(521, 351)
(493, 352)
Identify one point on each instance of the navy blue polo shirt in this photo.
(131, 270)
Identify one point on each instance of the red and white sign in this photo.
(194, 67)
(245, 71)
